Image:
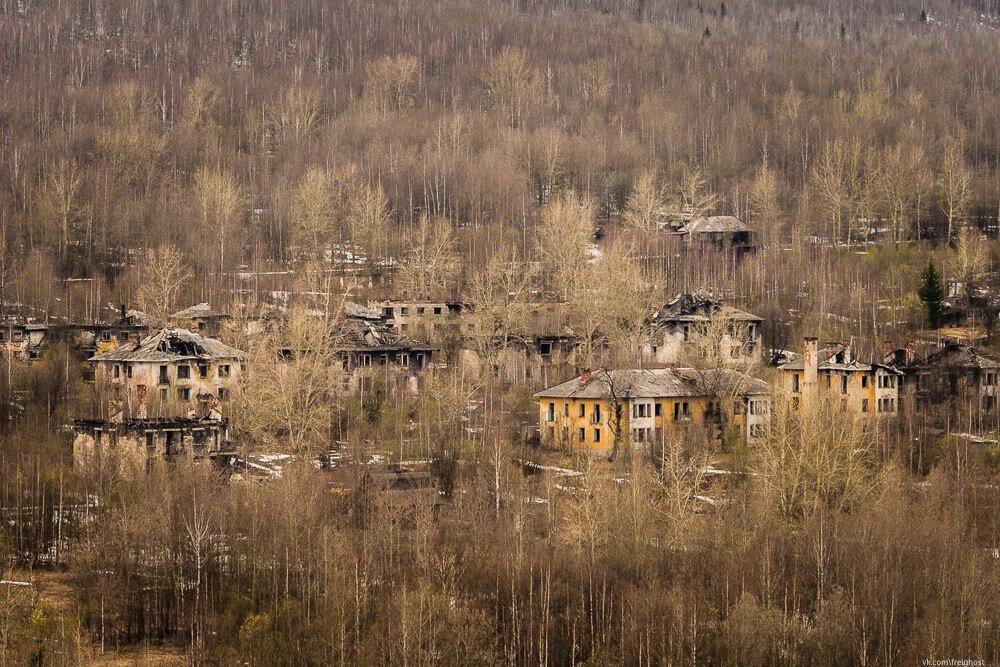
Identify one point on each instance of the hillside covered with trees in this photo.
(530, 164)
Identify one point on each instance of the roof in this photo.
(961, 356)
(359, 335)
(139, 318)
(658, 383)
(717, 224)
(201, 310)
(357, 311)
(695, 308)
(837, 359)
(171, 345)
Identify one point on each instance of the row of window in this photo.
(682, 410)
(183, 371)
(581, 434)
(402, 359)
(884, 382)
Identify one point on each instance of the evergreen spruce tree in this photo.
(932, 295)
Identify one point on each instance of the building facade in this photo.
(692, 326)
(171, 373)
(833, 374)
(596, 409)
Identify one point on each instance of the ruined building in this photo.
(172, 373)
(834, 374)
(162, 396)
(692, 325)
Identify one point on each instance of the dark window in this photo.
(597, 435)
(222, 393)
(164, 378)
(550, 416)
(437, 310)
(184, 394)
(843, 384)
(658, 409)
(224, 370)
(583, 434)
(795, 383)
(183, 372)
(203, 370)
(118, 371)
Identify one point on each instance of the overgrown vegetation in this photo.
(303, 153)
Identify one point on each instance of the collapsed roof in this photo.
(696, 308)
(716, 224)
(171, 345)
(201, 310)
(360, 335)
(961, 356)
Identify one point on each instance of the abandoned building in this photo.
(172, 373)
(23, 341)
(834, 374)
(645, 406)
(723, 232)
(201, 318)
(28, 340)
(358, 312)
(406, 316)
(363, 345)
(694, 326)
(957, 375)
(130, 446)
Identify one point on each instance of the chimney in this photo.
(810, 366)
(124, 313)
(585, 377)
(911, 353)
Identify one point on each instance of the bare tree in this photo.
(161, 278)
(313, 208)
(60, 201)
(564, 237)
(953, 184)
(645, 204)
(499, 317)
(220, 204)
(431, 263)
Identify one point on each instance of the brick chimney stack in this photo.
(810, 366)
(585, 377)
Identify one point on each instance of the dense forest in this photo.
(295, 155)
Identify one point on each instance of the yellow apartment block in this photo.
(646, 405)
(834, 374)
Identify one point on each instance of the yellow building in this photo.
(642, 406)
(834, 374)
